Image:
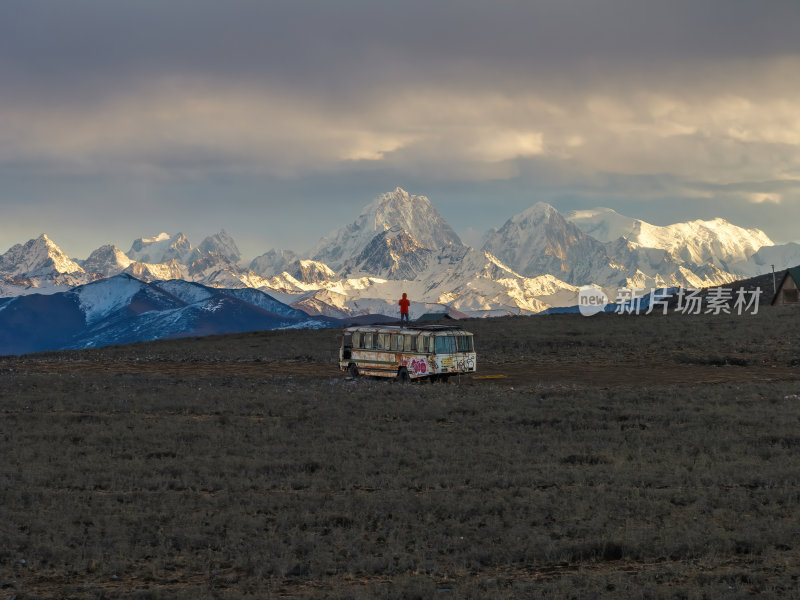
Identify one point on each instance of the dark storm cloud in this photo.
(625, 100)
(337, 45)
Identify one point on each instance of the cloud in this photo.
(450, 89)
(177, 127)
(762, 198)
(611, 98)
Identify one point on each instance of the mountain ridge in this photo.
(396, 210)
(122, 309)
(715, 240)
(399, 242)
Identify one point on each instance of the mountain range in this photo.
(122, 309)
(400, 243)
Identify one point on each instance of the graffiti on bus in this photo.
(418, 366)
(465, 363)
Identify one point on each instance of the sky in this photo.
(279, 120)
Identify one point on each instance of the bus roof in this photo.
(408, 329)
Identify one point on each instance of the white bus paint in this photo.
(405, 353)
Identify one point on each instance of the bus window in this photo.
(445, 345)
(423, 343)
(464, 343)
(410, 343)
(397, 343)
(347, 346)
(386, 341)
(367, 340)
(356, 340)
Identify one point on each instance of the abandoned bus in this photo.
(435, 351)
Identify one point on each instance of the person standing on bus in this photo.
(404, 304)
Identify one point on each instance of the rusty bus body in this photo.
(405, 353)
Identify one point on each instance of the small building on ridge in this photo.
(789, 289)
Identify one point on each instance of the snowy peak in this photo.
(155, 271)
(539, 241)
(165, 256)
(605, 224)
(101, 298)
(397, 210)
(161, 248)
(401, 211)
(272, 262)
(717, 241)
(107, 260)
(39, 257)
(391, 254)
(540, 212)
(221, 243)
(310, 271)
(210, 262)
(779, 256)
(161, 237)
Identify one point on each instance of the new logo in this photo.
(591, 300)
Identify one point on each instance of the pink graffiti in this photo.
(418, 366)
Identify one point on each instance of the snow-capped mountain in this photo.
(122, 309)
(37, 258)
(165, 256)
(156, 271)
(265, 302)
(107, 260)
(652, 267)
(214, 262)
(222, 244)
(779, 256)
(272, 262)
(541, 241)
(39, 264)
(161, 248)
(457, 277)
(309, 271)
(400, 243)
(205, 265)
(398, 211)
(109, 296)
(717, 241)
(391, 254)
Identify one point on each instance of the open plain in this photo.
(637, 456)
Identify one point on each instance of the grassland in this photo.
(646, 457)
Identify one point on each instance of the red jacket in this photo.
(404, 303)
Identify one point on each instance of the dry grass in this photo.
(184, 472)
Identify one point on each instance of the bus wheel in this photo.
(402, 375)
(353, 370)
